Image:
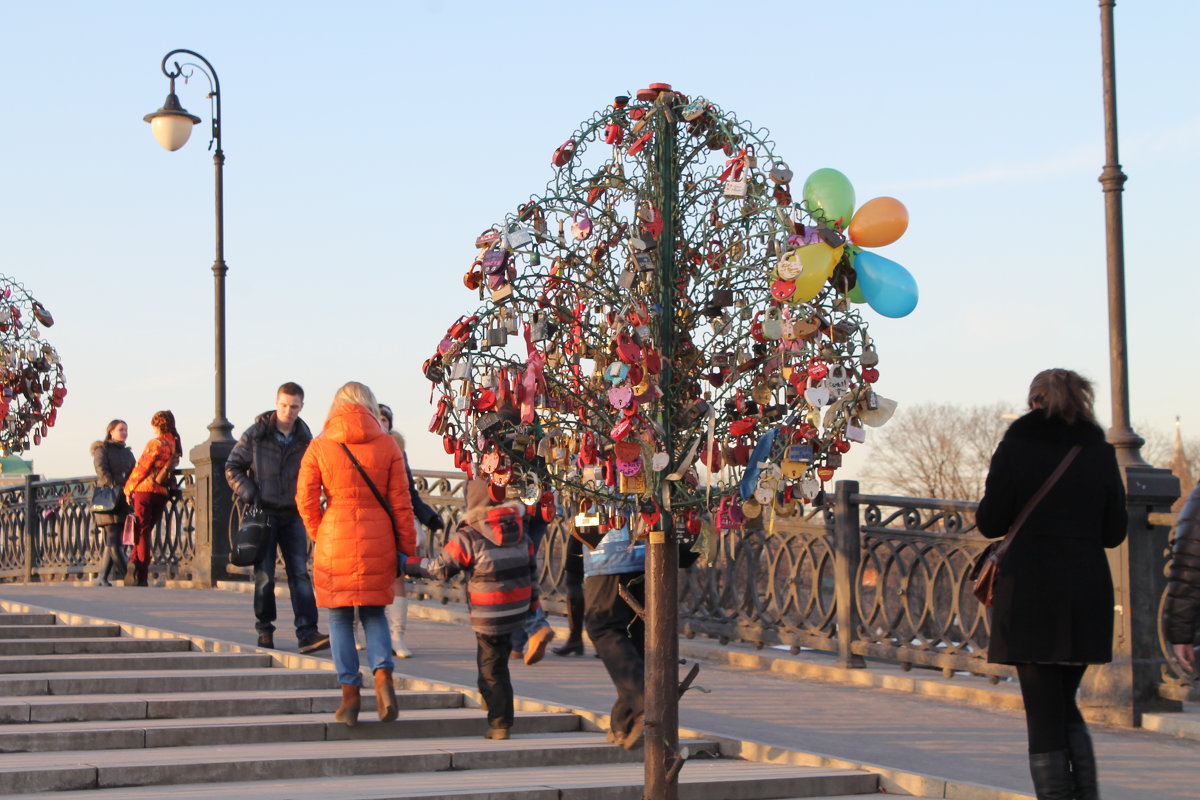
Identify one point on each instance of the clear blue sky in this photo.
(368, 143)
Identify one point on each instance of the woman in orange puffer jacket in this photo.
(357, 545)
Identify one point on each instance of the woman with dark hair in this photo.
(1052, 613)
(113, 461)
(148, 488)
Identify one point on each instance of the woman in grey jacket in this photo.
(113, 461)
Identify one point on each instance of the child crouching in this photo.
(490, 545)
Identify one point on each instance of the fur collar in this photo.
(1037, 426)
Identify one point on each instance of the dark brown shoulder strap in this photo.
(1037, 497)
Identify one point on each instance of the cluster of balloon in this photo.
(32, 387)
(884, 285)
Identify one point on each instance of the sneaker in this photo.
(496, 733)
(266, 640)
(314, 642)
(536, 649)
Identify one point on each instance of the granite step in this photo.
(365, 754)
(13, 665)
(45, 737)
(97, 707)
(183, 681)
(92, 645)
(699, 780)
(57, 631)
(20, 618)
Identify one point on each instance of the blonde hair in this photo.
(1064, 394)
(355, 393)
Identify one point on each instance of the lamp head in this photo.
(171, 124)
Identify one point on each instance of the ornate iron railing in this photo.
(870, 576)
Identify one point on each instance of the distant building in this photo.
(13, 469)
(1180, 468)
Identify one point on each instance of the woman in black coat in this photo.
(1183, 588)
(113, 461)
(1053, 608)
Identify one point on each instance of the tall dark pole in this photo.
(662, 551)
(212, 497)
(1119, 692)
(1122, 436)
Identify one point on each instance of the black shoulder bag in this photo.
(382, 501)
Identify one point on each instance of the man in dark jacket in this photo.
(262, 470)
(1183, 590)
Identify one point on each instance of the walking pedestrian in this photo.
(573, 581)
(362, 533)
(262, 470)
(149, 486)
(491, 546)
(1183, 587)
(1052, 613)
(113, 461)
(397, 612)
(617, 632)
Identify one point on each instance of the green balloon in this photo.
(828, 194)
(856, 295)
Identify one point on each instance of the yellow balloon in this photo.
(878, 222)
(820, 258)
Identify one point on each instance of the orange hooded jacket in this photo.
(354, 562)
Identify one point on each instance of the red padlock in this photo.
(817, 369)
(870, 374)
(564, 153)
(613, 133)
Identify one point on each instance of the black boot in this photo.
(1052, 775)
(573, 646)
(105, 567)
(1083, 762)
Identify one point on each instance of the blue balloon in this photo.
(889, 288)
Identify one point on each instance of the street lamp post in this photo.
(1121, 691)
(172, 126)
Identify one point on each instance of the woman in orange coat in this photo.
(357, 544)
(148, 488)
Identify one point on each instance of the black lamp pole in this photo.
(1121, 435)
(220, 430)
(172, 126)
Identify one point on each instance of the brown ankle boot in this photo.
(351, 703)
(385, 695)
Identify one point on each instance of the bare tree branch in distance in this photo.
(936, 450)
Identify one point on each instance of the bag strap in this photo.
(1037, 498)
(378, 496)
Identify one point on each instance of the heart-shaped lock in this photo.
(780, 173)
(581, 225)
(870, 374)
(660, 461)
(490, 461)
(630, 468)
(789, 267)
(620, 396)
(817, 394)
(817, 369)
(810, 488)
(783, 290)
(825, 474)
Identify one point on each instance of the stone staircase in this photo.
(88, 712)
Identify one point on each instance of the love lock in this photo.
(780, 173)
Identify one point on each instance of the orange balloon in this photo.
(878, 222)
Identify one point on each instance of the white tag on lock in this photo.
(817, 395)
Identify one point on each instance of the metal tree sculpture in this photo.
(670, 340)
(31, 376)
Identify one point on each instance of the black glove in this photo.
(436, 524)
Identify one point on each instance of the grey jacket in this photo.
(113, 462)
(262, 470)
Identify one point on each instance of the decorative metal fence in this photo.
(870, 576)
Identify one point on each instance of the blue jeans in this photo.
(286, 530)
(533, 621)
(341, 641)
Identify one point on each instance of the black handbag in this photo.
(246, 548)
(105, 499)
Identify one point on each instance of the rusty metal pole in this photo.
(662, 552)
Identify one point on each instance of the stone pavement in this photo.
(776, 708)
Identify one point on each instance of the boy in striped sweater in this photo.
(500, 560)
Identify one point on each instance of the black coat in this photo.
(1183, 588)
(113, 462)
(1054, 594)
(260, 469)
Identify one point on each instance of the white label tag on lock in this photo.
(735, 188)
